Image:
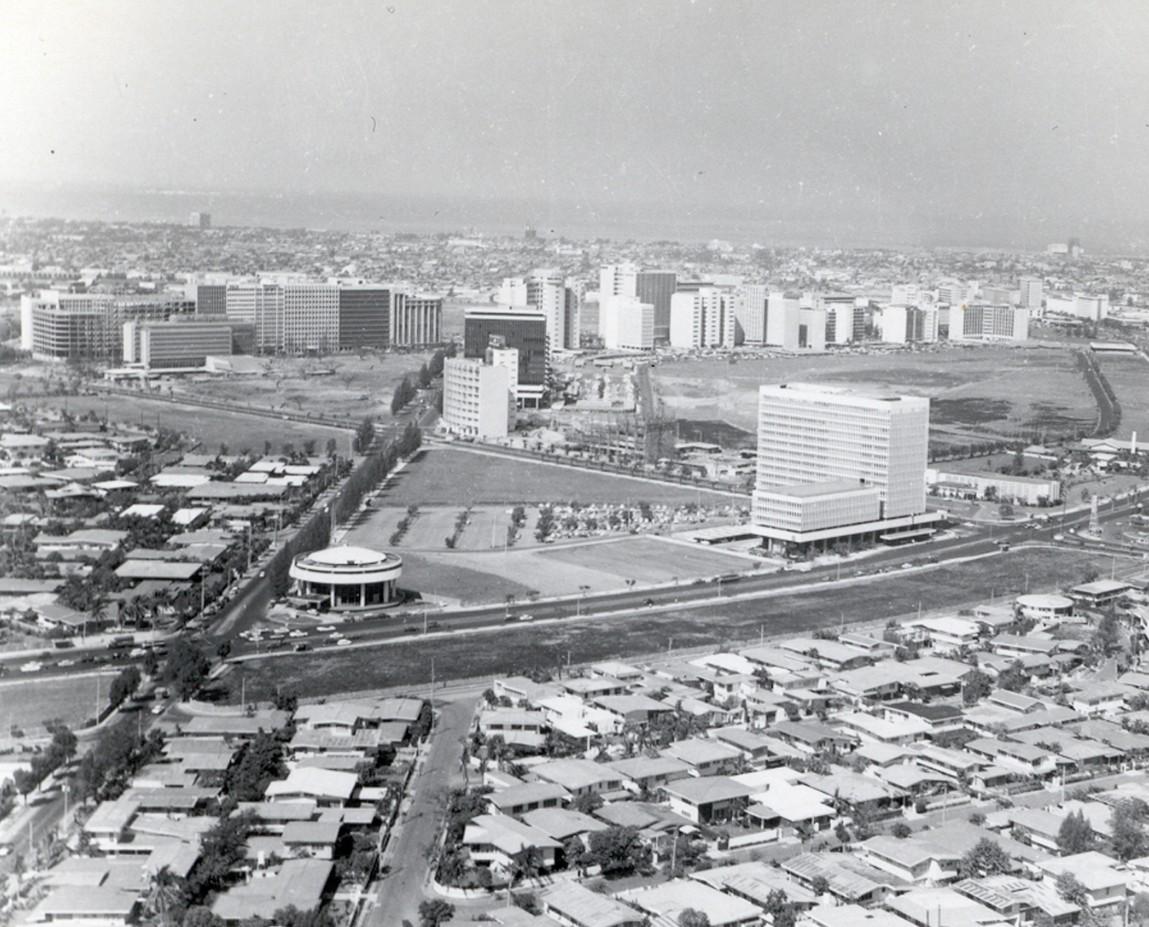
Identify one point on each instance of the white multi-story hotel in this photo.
(833, 464)
(909, 324)
(478, 396)
(702, 318)
(626, 324)
(989, 323)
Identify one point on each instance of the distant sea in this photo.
(428, 215)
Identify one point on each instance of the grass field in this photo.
(515, 649)
(30, 704)
(444, 476)
(984, 387)
(647, 560)
(210, 426)
(1129, 377)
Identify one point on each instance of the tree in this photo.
(166, 895)
(975, 686)
(185, 668)
(434, 911)
(692, 917)
(261, 763)
(1107, 635)
(1075, 835)
(201, 916)
(819, 885)
(985, 858)
(1127, 827)
(617, 850)
(1013, 678)
(1069, 887)
(901, 830)
(778, 906)
(424, 377)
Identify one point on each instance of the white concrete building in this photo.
(478, 397)
(822, 454)
(988, 323)
(617, 280)
(703, 318)
(908, 324)
(626, 324)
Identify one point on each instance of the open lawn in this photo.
(30, 704)
(1129, 377)
(984, 388)
(517, 649)
(209, 426)
(452, 475)
(647, 560)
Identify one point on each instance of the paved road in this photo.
(401, 890)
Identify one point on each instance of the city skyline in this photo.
(970, 124)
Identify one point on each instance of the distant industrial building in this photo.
(625, 323)
(833, 465)
(525, 330)
(956, 483)
(988, 323)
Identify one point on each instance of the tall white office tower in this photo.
(829, 459)
(703, 318)
(618, 280)
(1031, 292)
(626, 324)
(545, 290)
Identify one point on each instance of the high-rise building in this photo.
(416, 321)
(782, 320)
(908, 324)
(1031, 292)
(625, 323)
(617, 280)
(845, 319)
(364, 317)
(525, 330)
(200, 220)
(478, 401)
(834, 464)
(211, 299)
(702, 319)
(259, 305)
(657, 287)
(545, 290)
(182, 344)
(89, 326)
(988, 323)
(811, 328)
(310, 318)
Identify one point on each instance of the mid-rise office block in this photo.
(525, 330)
(702, 319)
(905, 294)
(259, 305)
(88, 326)
(996, 296)
(478, 401)
(211, 299)
(840, 442)
(617, 280)
(364, 317)
(657, 287)
(782, 320)
(1031, 292)
(310, 319)
(200, 220)
(175, 345)
(416, 321)
(545, 291)
(845, 319)
(908, 324)
(750, 314)
(989, 323)
(625, 323)
(811, 328)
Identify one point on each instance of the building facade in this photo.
(626, 324)
(525, 330)
(703, 318)
(988, 323)
(657, 287)
(478, 397)
(182, 344)
(416, 321)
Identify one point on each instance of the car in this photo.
(435, 625)
(324, 628)
(1059, 537)
(343, 642)
(649, 603)
(31, 667)
(67, 663)
(297, 633)
(906, 565)
(301, 647)
(526, 617)
(410, 629)
(158, 709)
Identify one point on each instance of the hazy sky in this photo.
(1036, 110)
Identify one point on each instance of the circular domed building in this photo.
(1045, 606)
(347, 577)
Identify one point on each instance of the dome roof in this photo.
(346, 555)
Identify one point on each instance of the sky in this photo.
(1033, 113)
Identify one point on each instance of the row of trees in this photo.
(60, 750)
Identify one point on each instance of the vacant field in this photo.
(341, 385)
(1129, 377)
(30, 704)
(516, 649)
(985, 388)
(210, 427)
(445, 476)
(647, 560)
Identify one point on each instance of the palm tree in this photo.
(165, 894)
